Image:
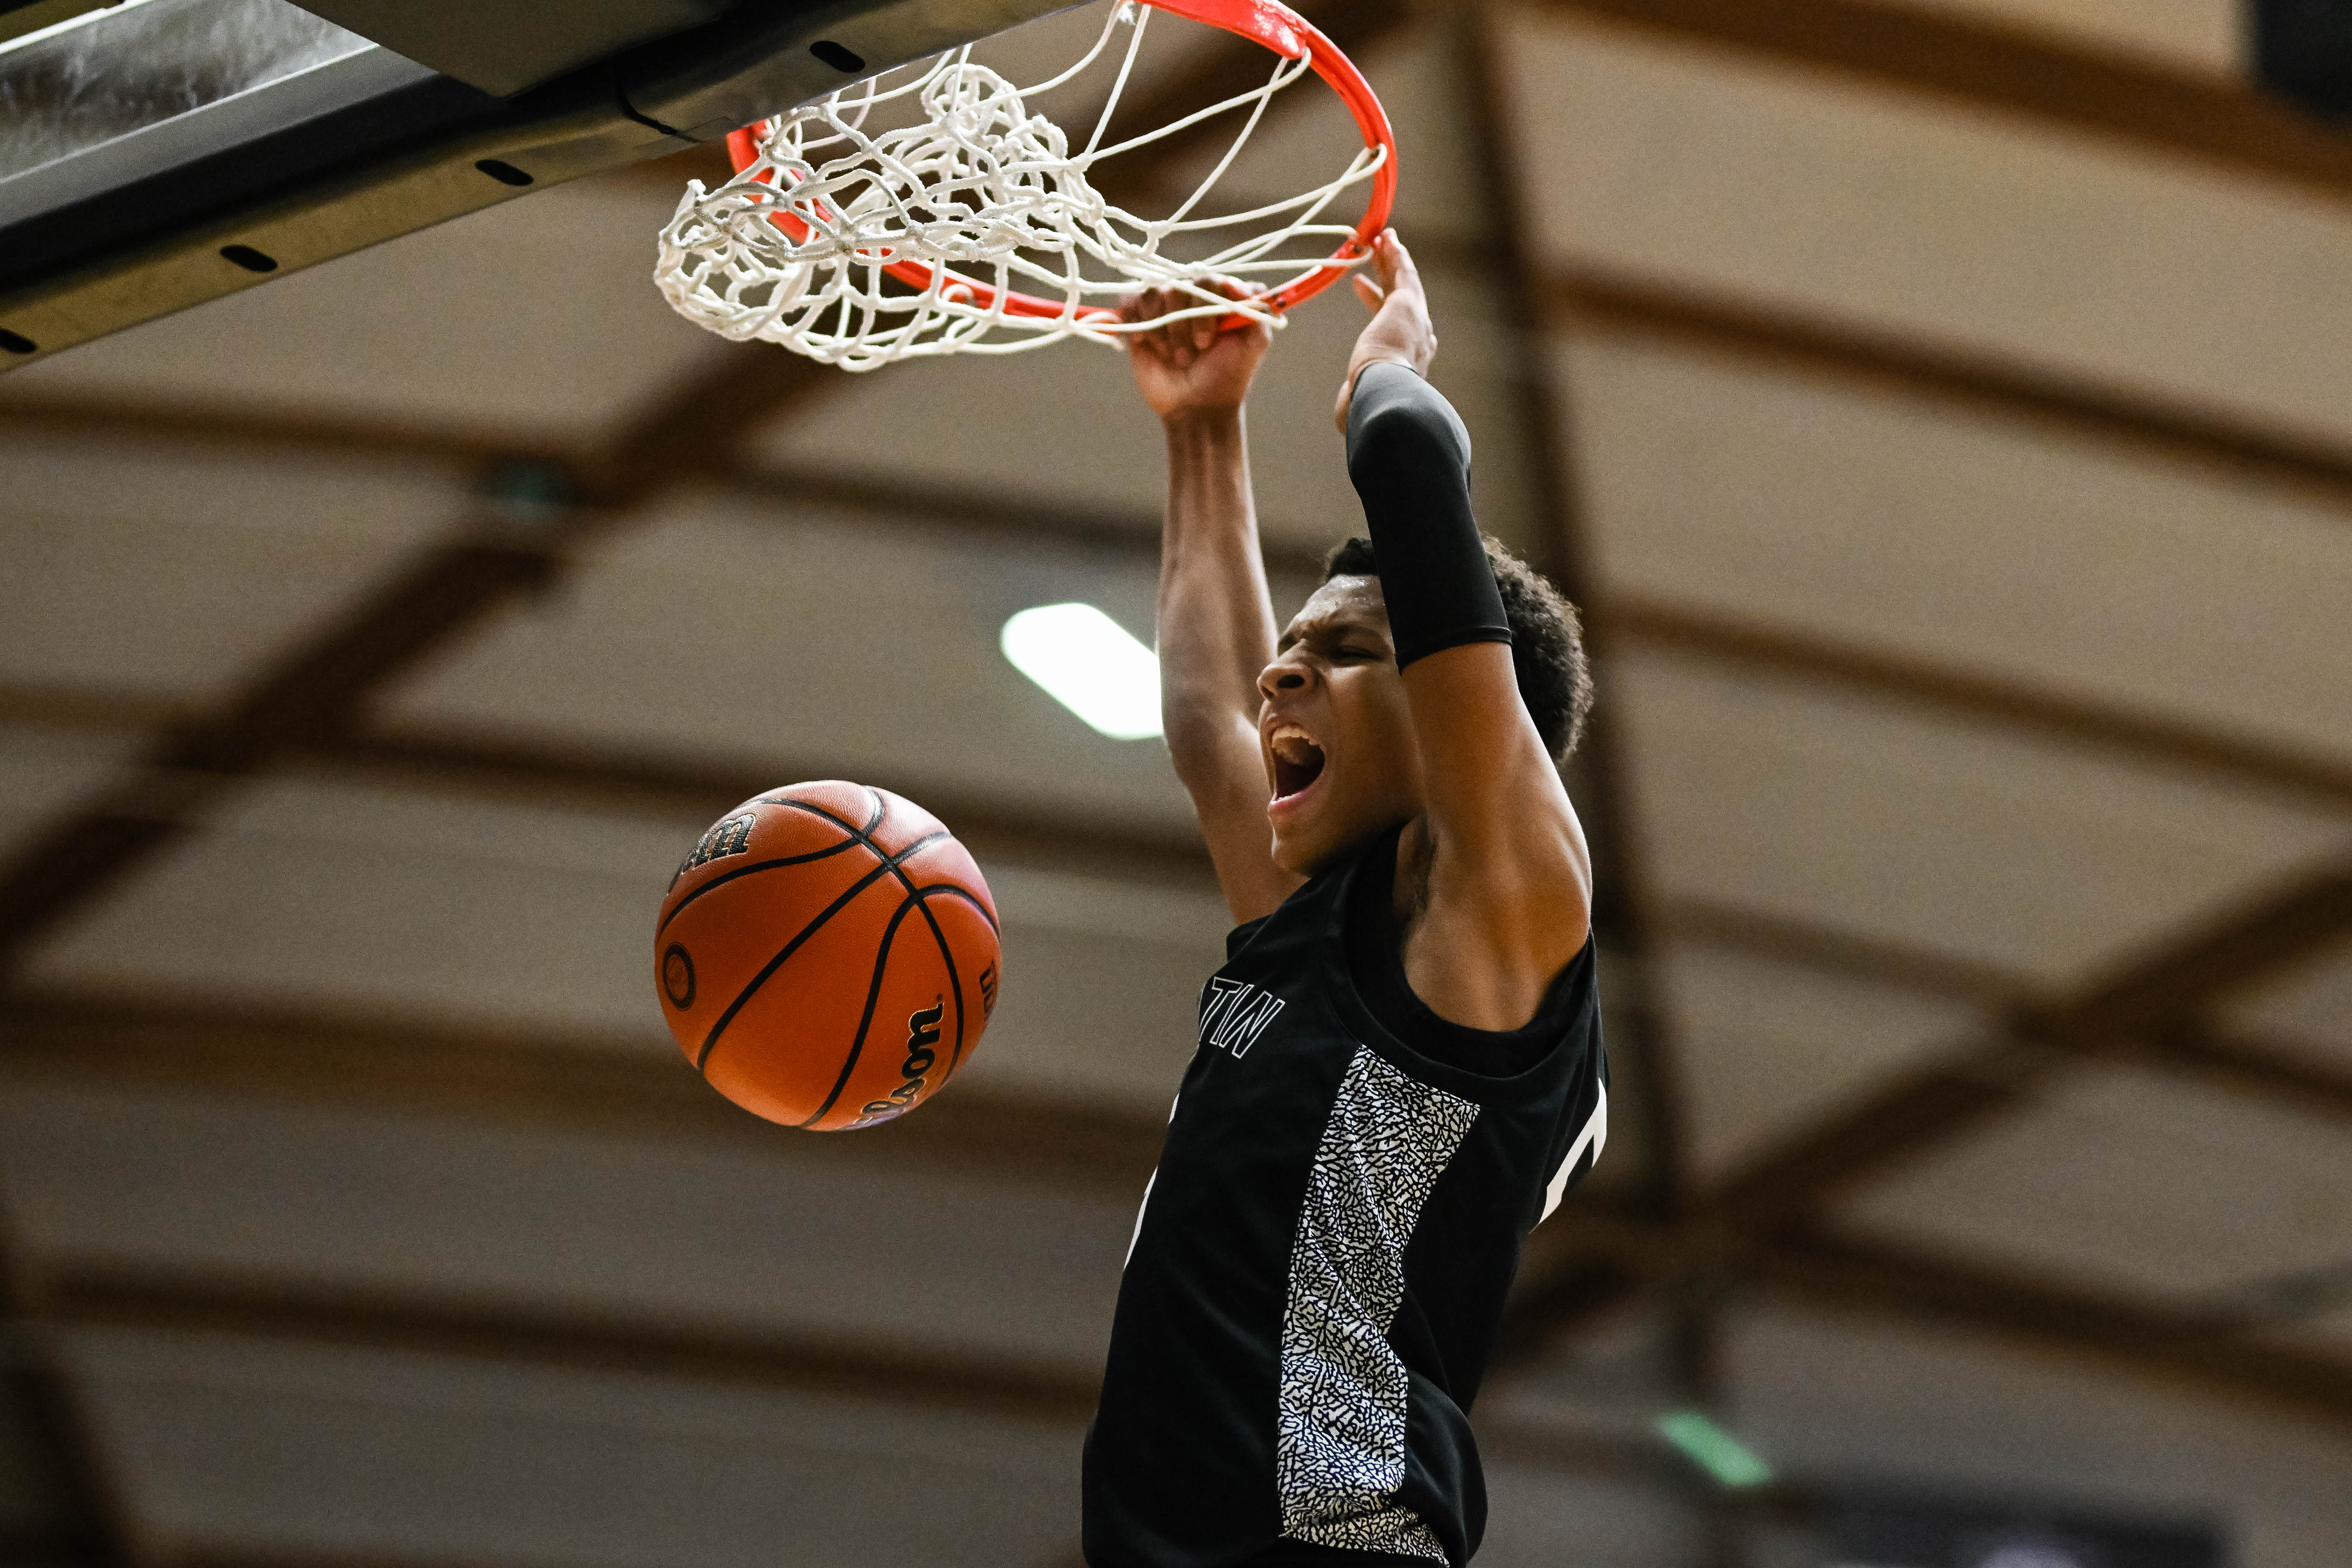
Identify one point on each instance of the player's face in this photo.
(1334, 730)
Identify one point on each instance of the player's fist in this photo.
(1192, 366)
(1400, 329)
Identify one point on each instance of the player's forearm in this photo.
(1485, 773)
(1216, 617)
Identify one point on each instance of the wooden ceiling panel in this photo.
(726, 633)
(2308, 1009)
(44, 771)
(2199, 34)
(2327, 1332)
(1945, 1412)
(1102, 984)
(533, 320)
(171, 571)
(235, 1448)
(1541, 1518)
(1094, 1019)
(1879, 207)
(1305, 138)
(97, 476)
(1764, 1048)
(1437, 177)
(2135, 1178)
(501, 913)
(1784, 497)
(780, 1234)
(1051, 44)
(1964, 841)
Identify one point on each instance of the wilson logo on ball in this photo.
(731, 837)
(922, 1034)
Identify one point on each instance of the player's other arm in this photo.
(1215, 620)
(1507, 874)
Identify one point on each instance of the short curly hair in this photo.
(1546, 639)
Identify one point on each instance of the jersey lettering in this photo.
(1233, 1013)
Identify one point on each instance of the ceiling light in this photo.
(1713, 1449)
(1088, 664)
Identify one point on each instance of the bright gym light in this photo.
(1713, 1449)
(1088, 663)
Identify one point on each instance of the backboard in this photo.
(158, 154)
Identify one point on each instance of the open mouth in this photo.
(1297, 761)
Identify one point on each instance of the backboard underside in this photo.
(356, 121)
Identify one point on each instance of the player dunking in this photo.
(1400, 1069)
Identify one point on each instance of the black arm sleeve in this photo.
(1409, 457)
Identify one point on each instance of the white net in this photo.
(1012, 246)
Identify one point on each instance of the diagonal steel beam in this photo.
(2273, 930)
(2166, 989)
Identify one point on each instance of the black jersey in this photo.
(1319, 1272)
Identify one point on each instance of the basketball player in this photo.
(1400, 1069)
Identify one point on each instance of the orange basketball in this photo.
(827, 955)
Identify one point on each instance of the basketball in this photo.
(827, 956)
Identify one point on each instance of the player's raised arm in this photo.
(1215, 622)
(1500, 874)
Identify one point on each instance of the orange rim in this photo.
(1265, 22)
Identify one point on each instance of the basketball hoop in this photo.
(986, 221)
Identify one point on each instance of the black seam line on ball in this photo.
(950, 890)
(872, 1000)
(711, 1040)
(909, 883)
(722, 881)
(863, 834)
